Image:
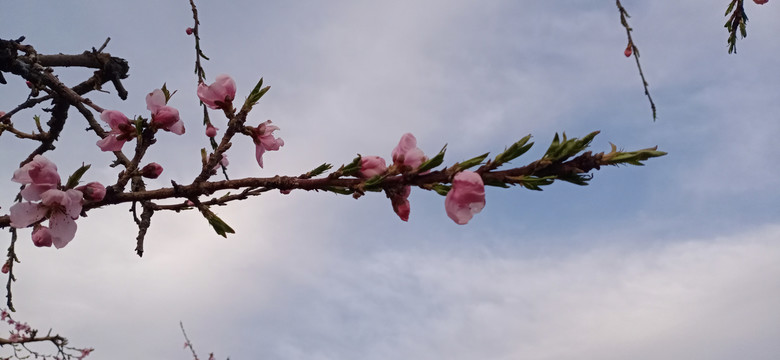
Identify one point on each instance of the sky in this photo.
(676, 259)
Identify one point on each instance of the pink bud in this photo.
(41, 237)
(29, 84)
(151, 170)
(211, 131)
(760, 2)
(220, 94)
(6, 267)
(93, 191)
(371, 166)
(189, 31)
(628, 51)
(407, 153)
(223, 162)
(466, 198)
(2, 113)
(400, 202)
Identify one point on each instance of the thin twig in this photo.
(635, 50)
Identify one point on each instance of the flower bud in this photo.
(93, 191)
(406, 153)
(151, 170)
(628, 51)
(466, 198)
(371, 166)
(220, 94)
(41, 236)
(188, 31)
(211, 131)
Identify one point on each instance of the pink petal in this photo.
(110, 143)
(259, 150)
(401, 204)
(113, 118)
(73, 206)
(62, 229)
(155, 100)
(177, 128)
(466, 198)
(407, 153)
(42, 167)
(24, 214)
(32, 192)
(41, 237)
(371, 166)
(221, 92)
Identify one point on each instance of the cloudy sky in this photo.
(677, 259)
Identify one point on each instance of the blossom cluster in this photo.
(45, 198)
(465, 198)
(22, 332)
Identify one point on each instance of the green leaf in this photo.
(561, 150)
(256, 94)
(218, 224)
(433, 162)
(731, 7)
(472, 162)
(442, 189)
(374, 181)
(513, 151)
(319, 170)
(352, 168)
(168, 94)
(73, 180)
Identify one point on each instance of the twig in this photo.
(635, 51)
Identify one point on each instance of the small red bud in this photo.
(151, 170)
(189, 31)
(29, 84)
(628, 51)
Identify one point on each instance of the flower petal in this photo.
(24, 214)
(466, 198)
(155, 100)
(110, 143)
(62, 229)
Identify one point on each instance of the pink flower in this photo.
(40, 175)
(211, 131)
(400, 202)
(223, 162)
(61, 207)
(14, 338)
(220, 94)
(163, 116)
(188, 31)
(151, 170)
(760, 2)
(371, 166)
(93, 191)
(466, 198)
(265, 140)
(41, 236)
(407, 153)
(122, 130)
